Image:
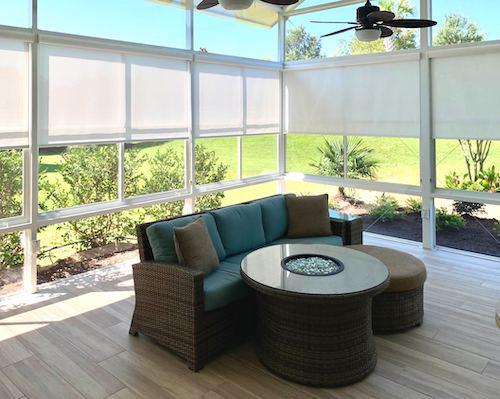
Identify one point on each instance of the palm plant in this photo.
(360, 160)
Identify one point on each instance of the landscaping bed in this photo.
(81, 262)
(479, 234)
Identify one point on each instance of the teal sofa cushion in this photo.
(240, 227)
(223, 286)
(161, 237)
(274, 217)
(329, 240)
(237, 258)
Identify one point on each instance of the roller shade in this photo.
(14, 98)
(234, 100)
(372, 99)
(91, 95)
(465, 96)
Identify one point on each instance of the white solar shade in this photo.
(14, 97)
(93, 96)
(233, 100)
(366, 100)
(159, 97)
(465, 96)
(262, 101)
(82, 95)
(219, 92)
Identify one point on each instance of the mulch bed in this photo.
(476, 237)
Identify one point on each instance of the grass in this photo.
(399, 163)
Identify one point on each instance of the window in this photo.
(453, 156)
(386, 159)
(11, 183)
(236, 196)
(466, 120)
(464, 21)
(468, 226)
(251, 33)
(158, 23)
(259, 155)
(216, 160)
(15, 13)
(304, 154)
(77, 175)
(300, 29)
(154, 167)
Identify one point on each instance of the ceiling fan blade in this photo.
(281, 2)
(204, 4)
(381, 16)
(333, 22)
(339, 31)
(410, 23)
(386, 32)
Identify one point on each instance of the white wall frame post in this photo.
(427, 150)
(30, 242)
(281, 147)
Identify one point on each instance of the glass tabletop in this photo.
(361, 272)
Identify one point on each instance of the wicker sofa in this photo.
(197, 316)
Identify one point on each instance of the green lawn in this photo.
(399, 163)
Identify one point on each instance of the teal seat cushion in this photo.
(329, 240)
(223, 286)
(240, 227)
(274, 217)
(237, 258)
(161, 237)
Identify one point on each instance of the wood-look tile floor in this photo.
(71, 340)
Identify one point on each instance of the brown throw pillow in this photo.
(194, 247)
(308, 216)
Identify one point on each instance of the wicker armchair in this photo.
(169, 307)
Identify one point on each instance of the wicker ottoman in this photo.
(401, 305)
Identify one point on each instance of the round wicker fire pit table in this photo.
(315, 329)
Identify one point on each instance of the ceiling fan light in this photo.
(368, 34)
(236, 4)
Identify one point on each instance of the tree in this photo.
(300, 45)
(360, 160)
(401, 39)
(457, 29)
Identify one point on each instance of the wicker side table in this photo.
(315, 330)
(351, 226)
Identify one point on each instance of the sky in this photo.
(146, 21)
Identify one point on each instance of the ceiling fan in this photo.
(240, 4)
(372, 23)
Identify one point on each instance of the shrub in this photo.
(386, 208)
(461, 207)
(90, 174)
(449, 221)
(11, 183)
(413, 205)
(489, 180)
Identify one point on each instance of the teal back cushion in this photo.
(161, 237)
(240, 227)
(274, 217)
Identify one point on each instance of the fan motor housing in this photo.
(362, 12)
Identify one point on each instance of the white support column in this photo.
(281, 147)
(427, 150)
(121, 171)
(30, 242)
